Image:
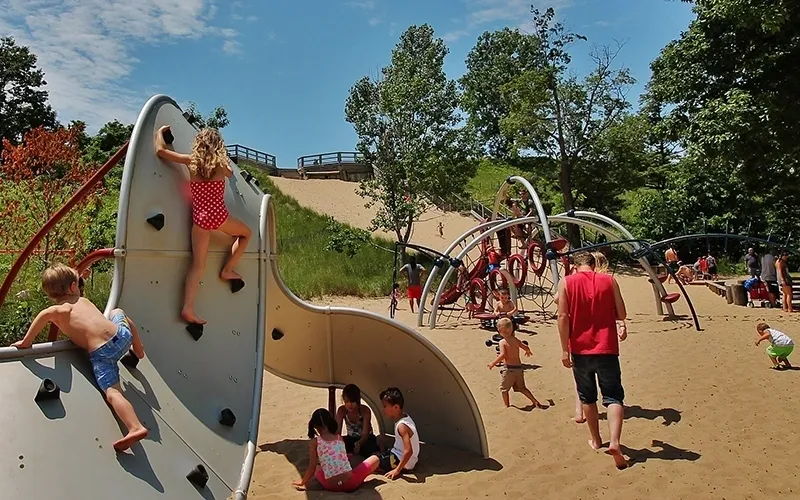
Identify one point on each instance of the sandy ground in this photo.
(340, 200)
(705, 417)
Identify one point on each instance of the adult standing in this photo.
(673, 262)
(589, 306)
(413, 272)
(769, 275)
(753, 263)
(785, 281)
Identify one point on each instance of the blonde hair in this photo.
(208, 154)
(57, 280)
(600, 262)
(504, 323)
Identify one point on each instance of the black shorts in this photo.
(712, 270)
(673, 266)
(590, 370)
(368, 447)
(772, 287)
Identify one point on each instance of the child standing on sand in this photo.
(105, 340)
(779, 348)
(512, 375)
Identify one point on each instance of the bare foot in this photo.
(537, 404)
(190, 317)
(595, 445)
(619, 460)
(579, 419)
(229, 275)
(130, 439)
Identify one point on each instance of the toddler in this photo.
(779, 348)
(512, 375)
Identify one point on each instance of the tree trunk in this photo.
(565, 182)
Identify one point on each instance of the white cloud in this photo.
(374, 21)
(231, 47)
(362, 4)
(85, 47)
(515, 13)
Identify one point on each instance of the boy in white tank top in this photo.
(404, 454)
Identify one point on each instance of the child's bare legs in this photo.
(239, 230)
(528, 394)
(506, 401)
(200, 241)
(616, 414)
(785, 362)
(124, 410)
(136, 345)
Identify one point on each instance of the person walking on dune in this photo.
(589, 306)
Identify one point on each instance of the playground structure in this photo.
(199, 394)
(529, 246)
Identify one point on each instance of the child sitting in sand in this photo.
(105, 340)
(404, 454)
(327, 457)
(511, 375)
(779, 348)
(358, 420)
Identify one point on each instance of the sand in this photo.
(340, 200)
(706, 417)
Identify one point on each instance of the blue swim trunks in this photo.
(104, 359)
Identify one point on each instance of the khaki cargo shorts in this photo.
(512, 377)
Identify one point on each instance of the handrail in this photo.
(332, 158)
(56, 218)
(238, 151)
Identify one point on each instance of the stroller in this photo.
(757, 291)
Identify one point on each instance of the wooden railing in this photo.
(238, 152)
(335, 158)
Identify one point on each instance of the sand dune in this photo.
(340, 200)
(706, 418)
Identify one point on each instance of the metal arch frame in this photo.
(658, 288)
(435, 271)
(505, 224)
(539, 210)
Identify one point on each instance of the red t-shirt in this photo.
(592, 313)
(494, 257)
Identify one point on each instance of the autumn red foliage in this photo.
(36, 178)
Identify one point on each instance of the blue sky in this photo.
(283, 68)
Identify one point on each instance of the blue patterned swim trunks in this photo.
(104, 359)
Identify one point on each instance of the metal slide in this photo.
(61, 448)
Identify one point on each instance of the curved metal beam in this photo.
(714, 235)
(499, 227)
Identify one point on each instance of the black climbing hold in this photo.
(276, 334)
(195, 330)
(439, 263)
(255, 181)
(456, 263)
(227, 418)
(47, 390)
(509, 180)
(247, 176)
(168, 137)
(236, 285)
(198, 476)
(525, 342)
(157, 221)
(497, 337)
(130, 360)
(489, 343)
(551, 254)
(571, 212)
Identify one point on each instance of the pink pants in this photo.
(360, 473)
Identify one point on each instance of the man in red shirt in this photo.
(589, 306)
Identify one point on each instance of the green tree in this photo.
(23, 102)
(497, 58)
(407, 126)
(218, 118)
(728, 93)
(560, 116)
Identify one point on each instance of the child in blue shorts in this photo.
(105, 340)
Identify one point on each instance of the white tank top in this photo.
(398, 448)
(779, 339)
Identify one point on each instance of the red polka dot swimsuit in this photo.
(208, 204)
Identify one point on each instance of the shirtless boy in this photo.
(504, 307)
(511, 375)
(105, 341)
